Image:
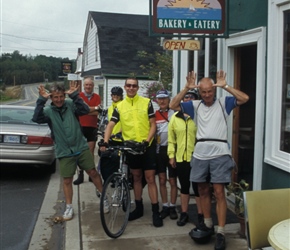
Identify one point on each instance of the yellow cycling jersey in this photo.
(117, 127)
(133, 115)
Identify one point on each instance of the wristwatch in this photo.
(96, 108)
(225, 87)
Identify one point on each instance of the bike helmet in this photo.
(193, 92)
(200, 236)
(117, 91)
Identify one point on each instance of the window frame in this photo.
(273, 155)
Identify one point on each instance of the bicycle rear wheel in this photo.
(115, 205)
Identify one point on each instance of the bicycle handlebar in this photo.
(131, 147)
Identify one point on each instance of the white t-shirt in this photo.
(211, 124)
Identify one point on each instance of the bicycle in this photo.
(102, 121)
(115, 198)
(101, 127)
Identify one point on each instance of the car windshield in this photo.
(16, 116)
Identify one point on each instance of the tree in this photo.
(161, 63)
(23, 69)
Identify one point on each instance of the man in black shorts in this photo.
(89, 122)
(136, 116)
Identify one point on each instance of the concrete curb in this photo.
(43, 227)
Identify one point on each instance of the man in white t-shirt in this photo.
(212, 153)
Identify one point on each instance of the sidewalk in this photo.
(85, 230)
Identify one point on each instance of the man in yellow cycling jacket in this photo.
(137, 118)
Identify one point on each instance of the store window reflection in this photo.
(285, 118)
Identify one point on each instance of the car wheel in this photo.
(52, 167)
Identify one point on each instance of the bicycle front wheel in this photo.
(115, 205)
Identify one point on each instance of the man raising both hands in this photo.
(71, 147)
(212, 154)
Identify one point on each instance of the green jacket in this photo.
(63, 122)
(181, 137)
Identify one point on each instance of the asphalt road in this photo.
(22, 191)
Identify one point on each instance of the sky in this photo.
(54, 27)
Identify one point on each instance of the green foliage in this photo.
(152, 88)
(17, 69)
(158, 63)
(47, 86)
(4, 98)
(3, 87)
(238, 189)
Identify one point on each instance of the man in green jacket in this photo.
(71, 147)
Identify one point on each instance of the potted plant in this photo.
(237, 189)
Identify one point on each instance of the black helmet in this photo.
(200, 236)
(193, 92)
(117, 91)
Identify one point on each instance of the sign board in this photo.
(189, 16)
(73, 77)
(66, 67)
(181, 44)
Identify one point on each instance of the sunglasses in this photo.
(188, 96)
(134, 86)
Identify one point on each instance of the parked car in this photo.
(24, 141)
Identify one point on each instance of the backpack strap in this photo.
(163, 116)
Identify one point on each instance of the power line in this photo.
(36, 39)
(42, 28)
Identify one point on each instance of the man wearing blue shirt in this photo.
(212, 154)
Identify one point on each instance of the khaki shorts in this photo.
(68, 165)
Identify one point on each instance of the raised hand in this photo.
(220, 79)
(42, 91)
(191, 80)
(73, 86)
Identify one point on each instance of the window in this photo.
(86, 53)
(285, 100)
(96, 47)
(277, 137)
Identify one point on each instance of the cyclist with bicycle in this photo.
(137, 118)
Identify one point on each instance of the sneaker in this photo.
(183, 219)
(106, 206)
(200, 219)
(68, 214)
(98, 193)
(164, 212)
(220, 242)
(137, 212)
(80, 178)
(172, 213)
(157, 220)
(203, 227)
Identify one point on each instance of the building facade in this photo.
(255, 57)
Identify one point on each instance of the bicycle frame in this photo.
(102, 122)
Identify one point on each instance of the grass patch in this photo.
(10, 93)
